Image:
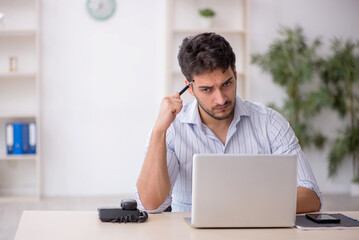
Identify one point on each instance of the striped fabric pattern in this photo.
(255, 129)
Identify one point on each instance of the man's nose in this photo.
(220, 97)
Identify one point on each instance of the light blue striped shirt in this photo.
(255, 129)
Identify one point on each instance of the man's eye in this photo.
(205, 90)
(227, 84)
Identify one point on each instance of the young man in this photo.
(216, 122)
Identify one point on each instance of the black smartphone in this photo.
(322, 218)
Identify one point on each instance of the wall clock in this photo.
(101, 9)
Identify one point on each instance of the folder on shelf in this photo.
(17, 138)
(25, 138)
(32, 138)
(9, 138)
(21, 138)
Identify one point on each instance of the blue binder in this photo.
(17, 138)
(25, 138)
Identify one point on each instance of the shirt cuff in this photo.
(312, 186)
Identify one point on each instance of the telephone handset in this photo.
(128, 212)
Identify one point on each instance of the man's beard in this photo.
(215, 117)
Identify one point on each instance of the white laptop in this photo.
(230, 191)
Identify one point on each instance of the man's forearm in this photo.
(307, 200)
(153, 184)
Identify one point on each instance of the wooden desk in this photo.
(86, 225)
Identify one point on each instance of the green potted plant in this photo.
(340, 78)
(207, 15)
(292, 62)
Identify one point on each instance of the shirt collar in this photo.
(191, 114)
(240, 110)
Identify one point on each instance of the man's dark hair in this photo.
(205, 53)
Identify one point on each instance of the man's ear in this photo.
(190, 87)
(235, 72)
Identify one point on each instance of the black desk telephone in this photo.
(128, 212)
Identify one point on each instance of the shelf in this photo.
(19, 198)
(14, 157)
(18, 75)
(18, 33)
(216, 30)
(14, 115)
(20, 96)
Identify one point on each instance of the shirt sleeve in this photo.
(284, 141)
(173, 169)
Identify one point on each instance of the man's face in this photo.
(215, 93)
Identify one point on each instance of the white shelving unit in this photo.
(19, 96)
(231, 21)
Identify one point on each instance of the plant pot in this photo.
(206, 22)
(354, 189)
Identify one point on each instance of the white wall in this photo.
(100, 92)
(319, 18)
(102, 83)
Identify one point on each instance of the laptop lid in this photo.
(244, 191)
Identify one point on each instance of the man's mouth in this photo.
(222, 108)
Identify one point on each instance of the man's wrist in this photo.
(159, 130)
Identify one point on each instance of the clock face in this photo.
(101, 9)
